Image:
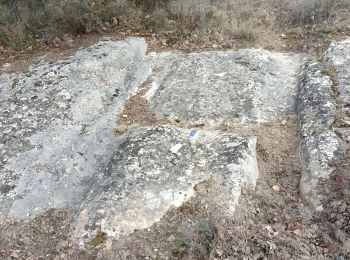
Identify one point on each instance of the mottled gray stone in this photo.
(57, 123)
(157, 168)
(227, 87)
(338, 56)
(324, 121)
(58, 147)
(318, 143)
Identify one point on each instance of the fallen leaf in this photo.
(329, 245)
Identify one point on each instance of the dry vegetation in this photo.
(183, 24)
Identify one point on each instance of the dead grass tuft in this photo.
(301, 12)
(183, 24)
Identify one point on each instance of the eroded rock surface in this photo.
(338, 56)
(155, 169)
(58, 146)
(318, 142)
(324, 118)
(57, 125)
(214, 88)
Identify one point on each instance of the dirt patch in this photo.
(44, 237)
(136, 112)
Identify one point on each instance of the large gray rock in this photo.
(228, 87)
(57, 122)
(57, 125)
(155, 169)
(324, 121)
(338, 56)
(318, 143)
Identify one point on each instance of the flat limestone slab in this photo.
(218, 87)
(157, 168)
(57, 125)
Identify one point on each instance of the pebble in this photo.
(121, 129)
(66, 95)
(171, 238)
(276, 188)
(343, 208)
(339, 223)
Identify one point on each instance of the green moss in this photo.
(99, 239)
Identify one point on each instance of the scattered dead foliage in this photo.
(136, 111)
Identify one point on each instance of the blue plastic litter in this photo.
(192, 133)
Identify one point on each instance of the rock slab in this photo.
(227, 87)
(157, 168)
(324, 120)
(318, 142)
(57, 125)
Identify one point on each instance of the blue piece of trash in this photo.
(192, 133)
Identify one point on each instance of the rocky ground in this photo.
(116, 153)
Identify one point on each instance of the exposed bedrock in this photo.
(157, 168)
(58, 146)
(57, 125)
(324, 120)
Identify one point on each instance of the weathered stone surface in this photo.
(57, 123)
(323, 110)
(227, 87)
(154, 169)
(338, 55)
(318, 143)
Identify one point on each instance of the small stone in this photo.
(175, 149)
(263, 121)
(339, 223)
(343, 208)
(51, 74)
(171, 238)
(121, 129)
(270, 232)
(219, 252)
(66, 95)
(284, 122)
(276, 188)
